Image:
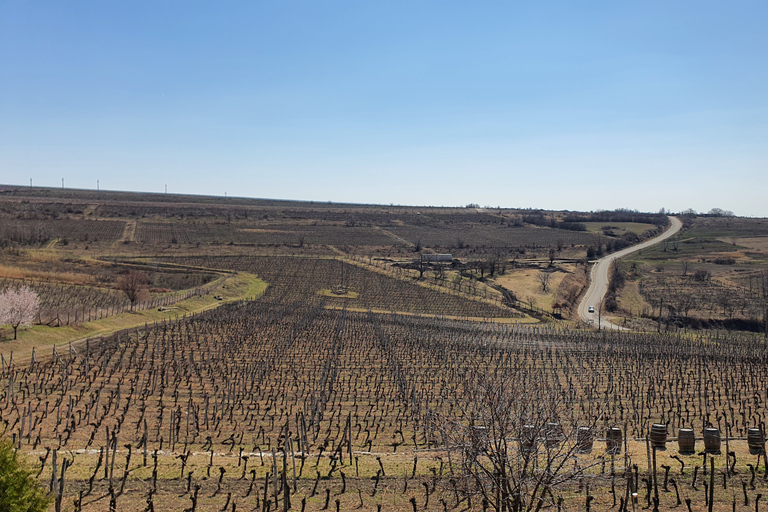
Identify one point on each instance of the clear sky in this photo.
(554, 104)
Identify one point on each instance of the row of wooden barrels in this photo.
(686, 439)
(712, 439)
(614, 438)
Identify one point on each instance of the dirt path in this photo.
(129, 233)
(395, 237)
(598, 285)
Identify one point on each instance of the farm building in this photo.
(436, 258)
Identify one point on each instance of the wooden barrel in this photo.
(712, 440)
(527, 438)
(686, 441)
(613, 440)
(756, 441)
(553, 434)
(584, 439)
(659, 436)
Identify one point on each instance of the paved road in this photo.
(598, 282)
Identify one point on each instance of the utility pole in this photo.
(166, 188)
(62, 183)
(97, 185)
(30, 182)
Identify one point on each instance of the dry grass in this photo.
(631, 300)
(345, 295)
(526, 285)
(42, 255)
(572, 285)
(264, 230)
(758, 243)
(52, 266)
(14, 272)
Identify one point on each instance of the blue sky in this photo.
(558, 105)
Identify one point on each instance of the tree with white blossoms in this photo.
(18, 307)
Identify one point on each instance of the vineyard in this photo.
(696, 297)
(63, 304)
(38, 231)
(492, 236)
(295, 279)
(361, 380)
(85, 217)
(260, 403)
(297, 234)
(300, 233)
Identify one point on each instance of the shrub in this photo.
(701, 275)
(19, 490)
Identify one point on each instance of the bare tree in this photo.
(422, 265)
(492, 264)
(516, 439)
(134, 285)
(599, 307)
(18, 307)
(544, 278)
(439, 272)
(457, 281)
